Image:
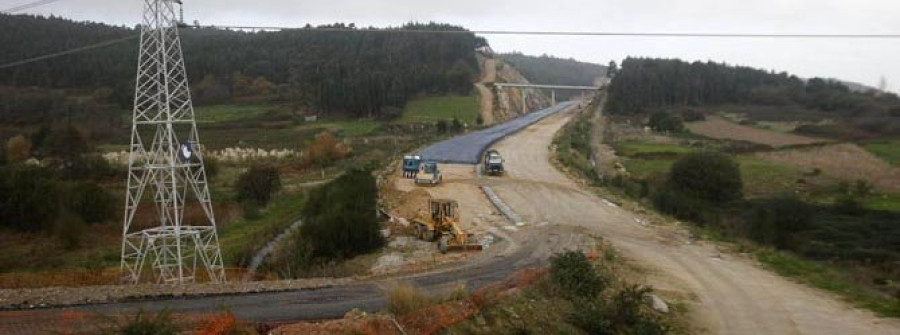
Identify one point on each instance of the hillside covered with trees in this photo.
(645, 85)
(354, 72)
(551, 70)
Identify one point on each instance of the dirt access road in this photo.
(728, 294)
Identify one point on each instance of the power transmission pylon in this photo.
(171, 166)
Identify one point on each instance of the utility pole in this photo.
(166, 159)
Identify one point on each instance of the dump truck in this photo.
(441, 224)
(411, 166)
(429, 174)
(493, 163)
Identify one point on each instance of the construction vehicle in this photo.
(429, 174)
(441, 224)
(411, 166)
(493, 163)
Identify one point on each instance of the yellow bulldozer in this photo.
(441, 224)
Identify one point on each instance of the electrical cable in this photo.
(69, 52)
(29, 5)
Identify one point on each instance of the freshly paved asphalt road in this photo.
(467, 149)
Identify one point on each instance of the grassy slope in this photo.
(239, 239)
(432, 109)
(228, 113)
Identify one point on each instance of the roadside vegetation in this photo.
(578, 295)
(820, 213)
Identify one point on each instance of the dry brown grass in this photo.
(847, 162)
(719, 128)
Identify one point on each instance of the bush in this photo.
(709, 176)
(685, 207)
(691, 115)
(339, 219)
(664, 121)
(161, 324)
(69, 229)
(28, 199)
(479, 120)
(324, 150)
(776, 221)
(403, 299)
(456, 126)
(90, 202)
(258, 184)
(441, 126)
(573, 273)
(18, 149)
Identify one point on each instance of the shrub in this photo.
(664, 121)
(18, 149)
(479, 120)
(258, 184)
(69, 229)
(691, 115)
(161, 324)
(324, 150)
(456, 126)
(90, 202)
(575, 276)
(405, 298)
(776, 221)
(340, 217)
(441, 126)
(710, 176)
(28, 199)
(685, 207)
(67, 143)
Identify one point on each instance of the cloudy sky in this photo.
(861, 60)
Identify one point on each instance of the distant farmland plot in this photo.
(719, 128)
(888, 150)
(433, 109)
(842, 161)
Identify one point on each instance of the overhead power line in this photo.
(69, 52)
(567, 33)
(27, 6)
(480, 32)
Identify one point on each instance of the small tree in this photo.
(441, 126)
(456, 126)
(664, 121)
(479, 120)
(573, 273)
(340, 219)
(258, 184)
(324, 150)
(91, 202)
(710, 176)
(18, 149)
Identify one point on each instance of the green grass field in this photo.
(760, 177)
(432, 109)
(884, 202)
(889, 150)
(229, 113)
(347, 128)
(635, 148)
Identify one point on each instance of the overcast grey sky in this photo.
(864, 60)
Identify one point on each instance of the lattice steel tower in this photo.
(170, 166)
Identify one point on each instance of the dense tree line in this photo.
(356, 72)
(645, 84)
(551, 70)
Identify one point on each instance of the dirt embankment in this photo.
(719, 128)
